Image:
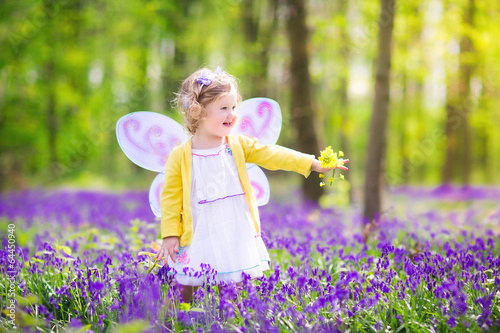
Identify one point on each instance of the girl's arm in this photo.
(171, 197)
(275, 157)
(169, 247)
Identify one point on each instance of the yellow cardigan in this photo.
(176, 217)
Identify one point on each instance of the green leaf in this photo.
(25, 301)
(136, 326)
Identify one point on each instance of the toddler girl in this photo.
(209, 214)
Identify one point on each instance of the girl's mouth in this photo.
(228, 123)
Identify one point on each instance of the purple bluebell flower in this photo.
(451, 322)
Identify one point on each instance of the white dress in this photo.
(224, 234)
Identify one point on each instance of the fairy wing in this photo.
(259, 118)
(260, 184)
(155, 193)
(147, 138)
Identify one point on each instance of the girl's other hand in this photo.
(169, 247)
(316, 166)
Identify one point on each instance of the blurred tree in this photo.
(375, 165)
(458, 161)
(176, 16)
(408, 123)
(302, 107)
(345, 55)
(51, 121)
(259, 32)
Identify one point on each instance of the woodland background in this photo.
(69, 69)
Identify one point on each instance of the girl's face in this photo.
(221, 117)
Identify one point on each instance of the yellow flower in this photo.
(341, 176)
(326, 157)
(329, 159)
(185, 306)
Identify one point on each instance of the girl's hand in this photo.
(169, 247)
(316, 166)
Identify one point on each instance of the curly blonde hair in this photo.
(193, 97)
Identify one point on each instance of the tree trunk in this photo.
(175, 69)
(402, 128)
(458, 106)
(110, 152)
(484, 135)
(467, 67)
(344, 82)
(302, 109)
(375, 163)
(49, 72)
(258, 34)
(51, 113)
